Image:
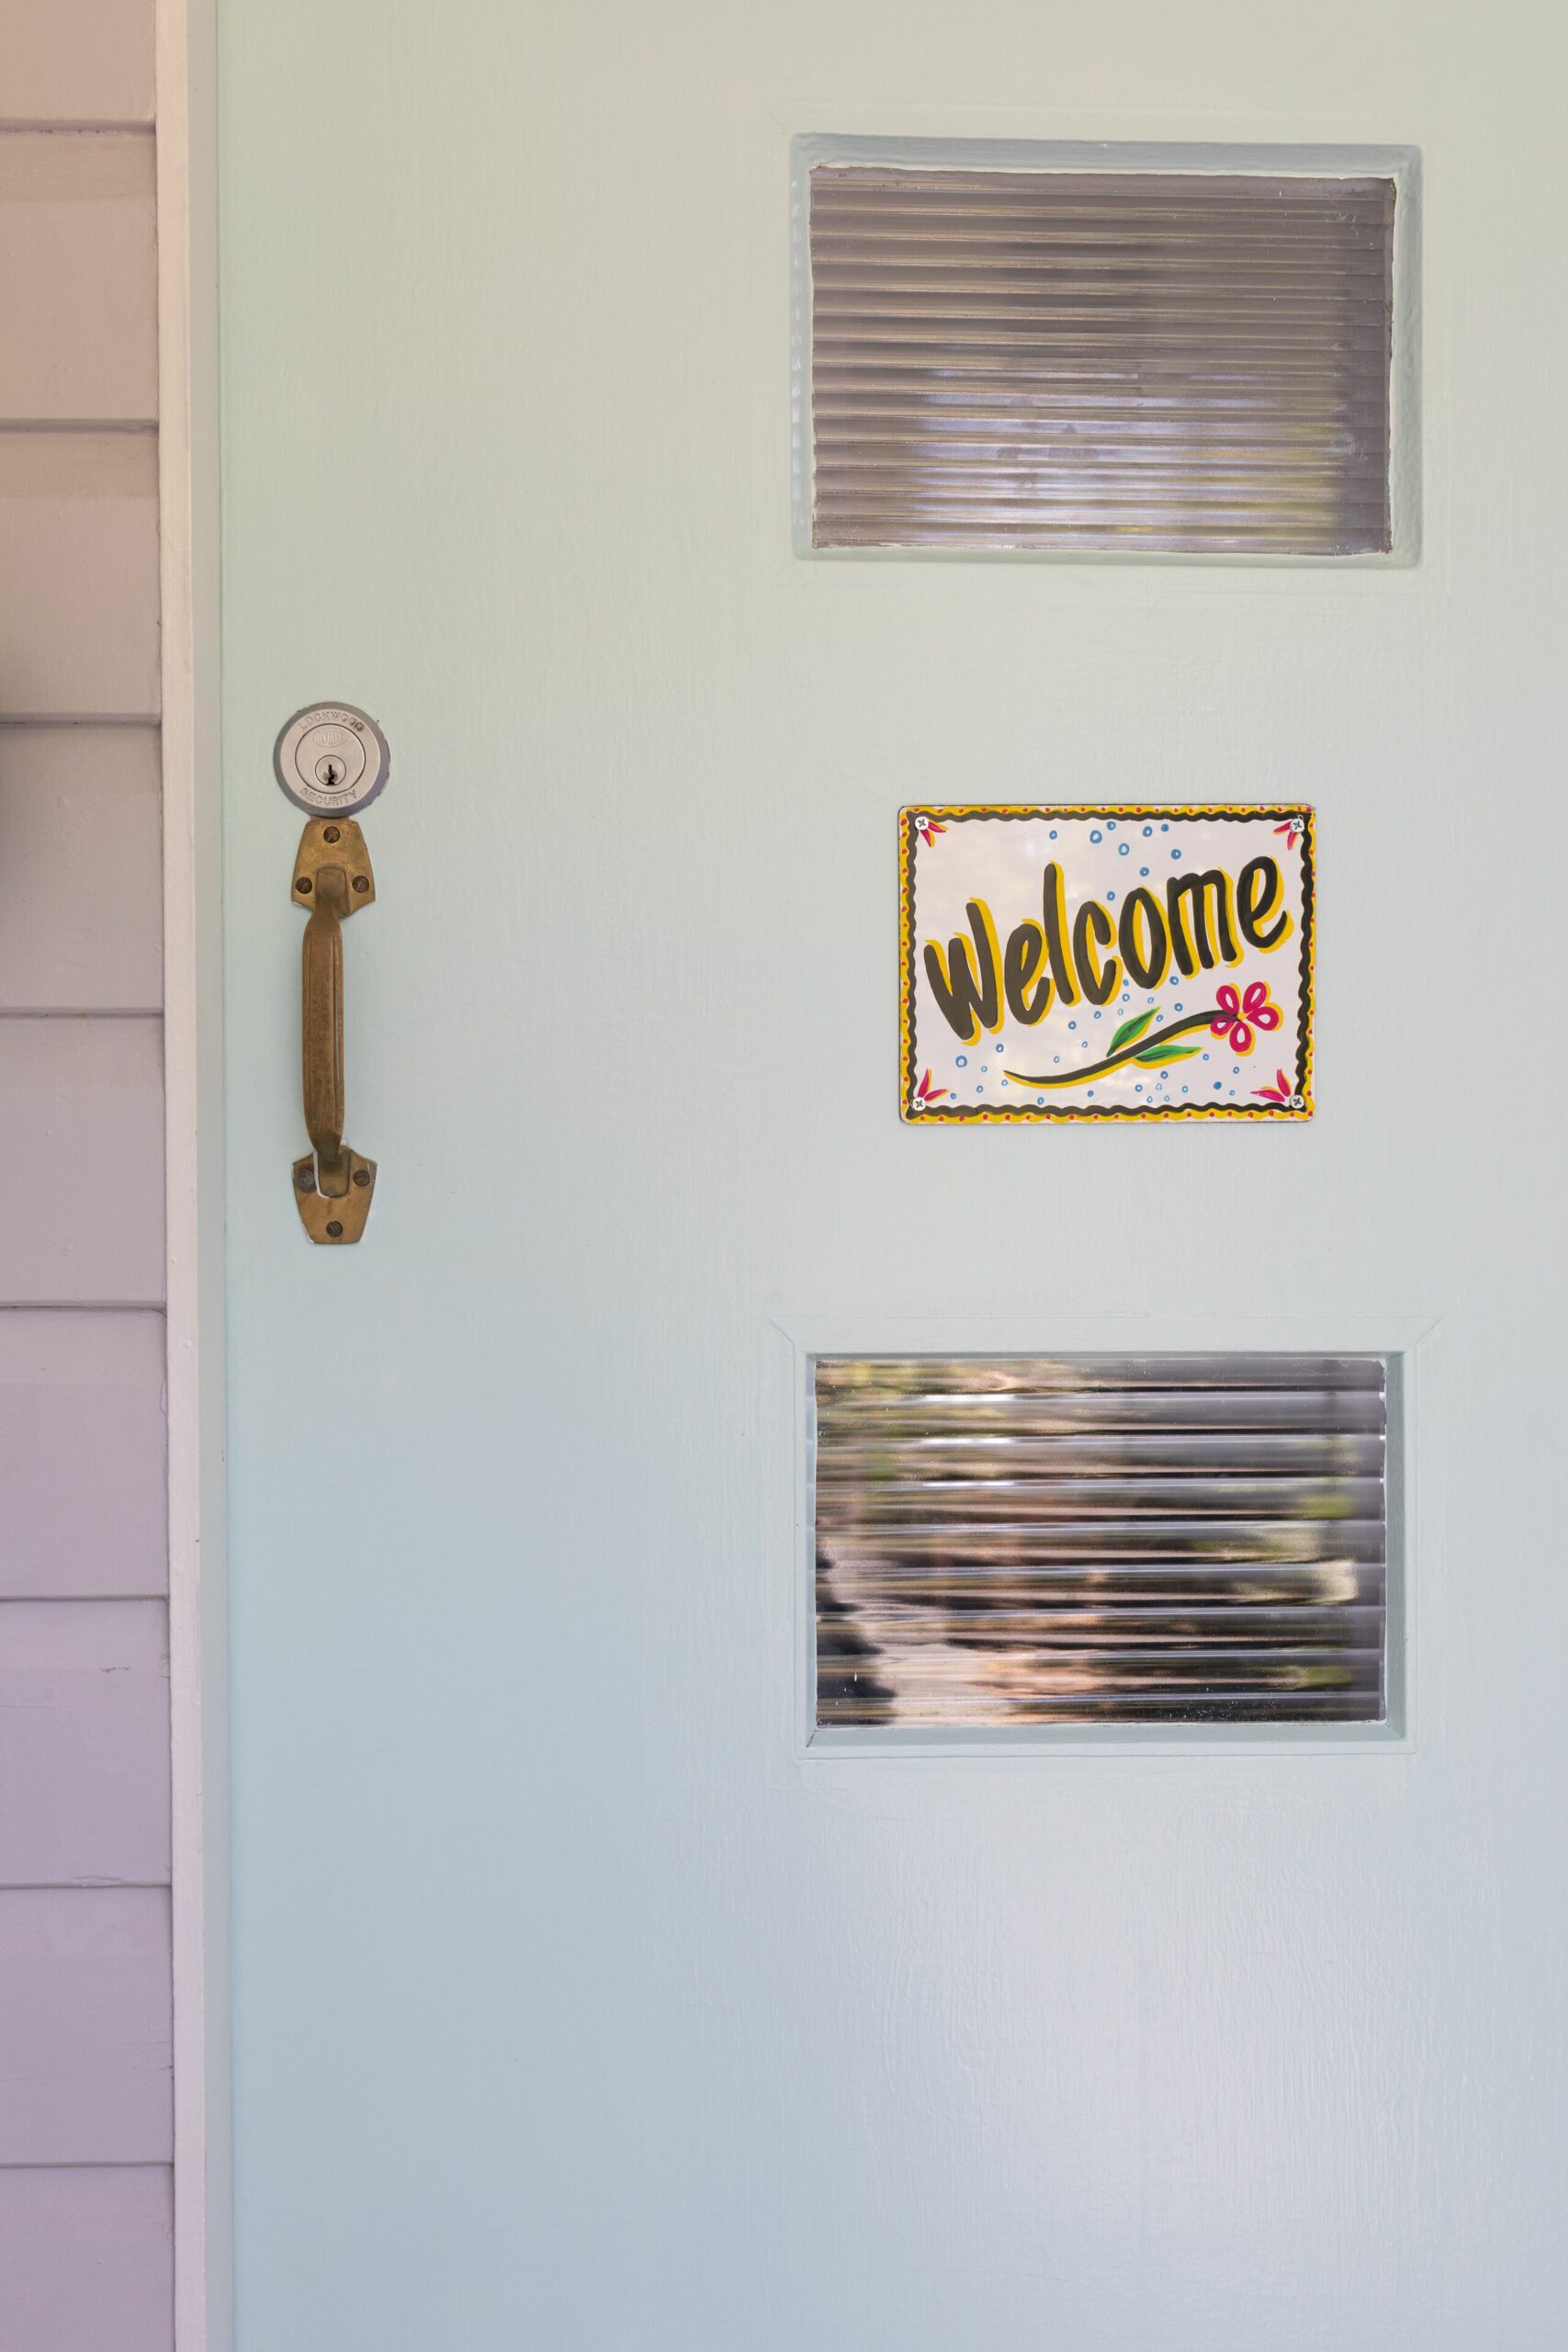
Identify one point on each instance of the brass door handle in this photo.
(332, 878)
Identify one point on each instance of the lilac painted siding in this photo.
(78, 1390)
(84, 2029)
(84, 1742)
(87, 2139)
(86, 2253)
(80, 869)
(68, 61)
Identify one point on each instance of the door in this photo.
(580, 2001)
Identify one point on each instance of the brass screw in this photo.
(303, 1178)
(360, 883)
(362, 1177)
(303, 884)
(335, 1232)
(332, 834)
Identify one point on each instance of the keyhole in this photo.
(328, 771)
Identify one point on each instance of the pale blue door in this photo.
(578, 2006)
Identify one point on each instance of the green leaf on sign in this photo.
(1166, 1054)
(1131, 1029)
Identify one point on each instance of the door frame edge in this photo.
(185, 132)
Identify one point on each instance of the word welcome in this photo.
(976, 983)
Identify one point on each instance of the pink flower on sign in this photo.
(1280, 1091)
(927, 830)
(1293, 830)
(928, 1093)
(1240, 1016)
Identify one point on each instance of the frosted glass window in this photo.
(1102, 1539)
(1159, 361)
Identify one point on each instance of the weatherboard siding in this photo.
(85, 2010)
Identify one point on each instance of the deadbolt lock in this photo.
(331, 760)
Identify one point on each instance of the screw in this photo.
(335, 1232)
(332, 834)
(360, 883)
(362, 1177)
(303, 1178)
(303, 884)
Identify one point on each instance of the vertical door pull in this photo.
(332, 879)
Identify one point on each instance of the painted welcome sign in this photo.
(1106, 963)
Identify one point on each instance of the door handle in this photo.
(332, 878)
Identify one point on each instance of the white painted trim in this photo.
(188, 309)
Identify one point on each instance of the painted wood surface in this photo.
(80, 1180)
(86, 2255)
(86, 2219)
(194, 1081)
(84, 1742)
(86, 2027)
(77, 61)
(704, 2039)
(81, 911)
(78, 575)
(78, 278)
(82, 1445)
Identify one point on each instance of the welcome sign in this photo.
(1106, 963)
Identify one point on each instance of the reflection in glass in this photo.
(1184, 362)
(1100, 1538)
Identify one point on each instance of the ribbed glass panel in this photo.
(1122, 1539)
(1128, 360)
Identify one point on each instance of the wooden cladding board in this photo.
(81, 1179)
(84, 1742)
(81, 870)
(86, 2027)
(86, 2188)
(86, 2254)
(78, 278)
(79, 575)
(76, 62)
(83, 1443)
